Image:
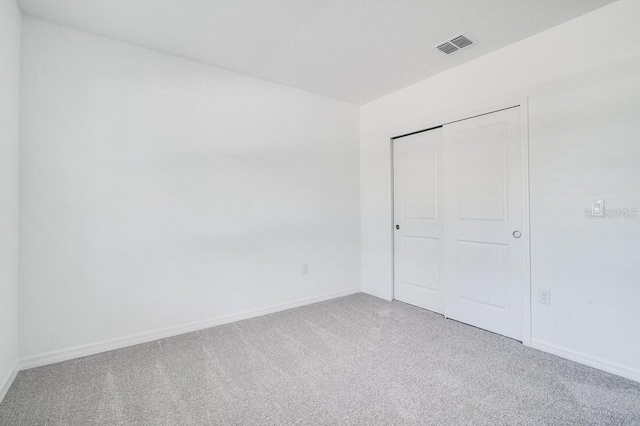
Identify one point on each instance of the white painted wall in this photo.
(159, 192)
(10, 21)
(584, 108)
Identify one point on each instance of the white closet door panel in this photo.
(483, 207)
(418, 217)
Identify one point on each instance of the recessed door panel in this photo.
(482, 173)
(420, 179)
(421, 260)
(482, 273)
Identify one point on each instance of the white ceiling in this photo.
(354, 50)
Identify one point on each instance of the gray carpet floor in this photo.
(357, 360)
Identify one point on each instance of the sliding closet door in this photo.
(418, 220)
(484, 215)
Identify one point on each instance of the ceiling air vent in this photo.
(447, 48)
(455, 44)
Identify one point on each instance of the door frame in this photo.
(523, 103)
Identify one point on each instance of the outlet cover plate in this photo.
(544, 297)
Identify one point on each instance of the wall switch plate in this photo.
(597, 208)
(305, 269)
(544, 297)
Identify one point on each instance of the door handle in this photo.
(397, 226)
(517, 234)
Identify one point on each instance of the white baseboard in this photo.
(104, 346)
(377, 294)
(109, 345)
(8, 381)
(588, 360)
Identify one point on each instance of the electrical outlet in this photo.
(544, 297)
(305, 269)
